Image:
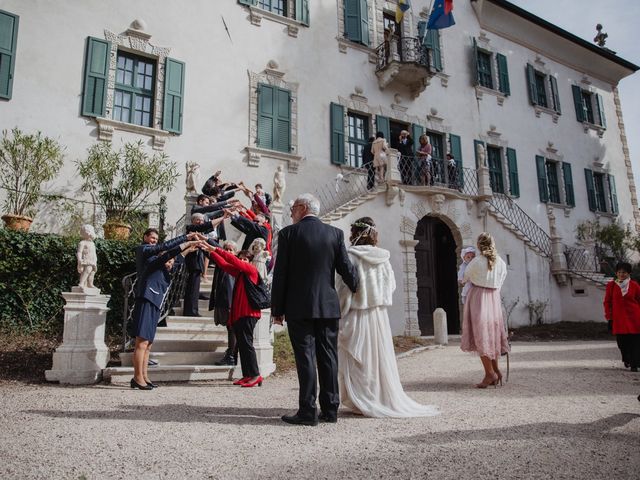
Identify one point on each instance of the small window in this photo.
(485, 77)
(494, 157)
(598, 183)
(552, 181)
(541, 90)
(358, 135)
(133, 94)
(279, 7)
(587, 105)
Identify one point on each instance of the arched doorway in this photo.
(436, 274)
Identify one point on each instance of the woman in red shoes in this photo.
(242, 317)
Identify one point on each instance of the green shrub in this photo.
(36, 268)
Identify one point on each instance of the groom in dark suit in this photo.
(309, 255)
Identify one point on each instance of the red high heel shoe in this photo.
(257, 381)
(242, 380)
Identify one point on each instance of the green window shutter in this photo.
(475, 151)
(554, 93)
(302, 11)
(352, 22)
(591, 189)
(96, 71)
(282, 130)
(364, 22)
(416, 131)
(503, 74)
(266, 116)
(337, 134)
(8, 41)
(456, 150)
(531, 83)
(382, 125)
(432, 42)
(173, 95)
(568, 184)
(541, 170)
(512, 163)
(601, 120)
(248, 2)
(577, 102)
(613, 196)
(476, 66)
(422, 30)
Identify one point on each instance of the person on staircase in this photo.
(220, 302)
(242, 317)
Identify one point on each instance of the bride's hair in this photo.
(364, 232)
(487, 247)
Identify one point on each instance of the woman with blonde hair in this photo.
(483, 329)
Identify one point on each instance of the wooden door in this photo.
(426, 275)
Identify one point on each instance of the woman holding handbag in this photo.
(243, 316)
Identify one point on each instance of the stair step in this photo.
(170, 373)
(176, 358)
(207, 334)
(189, 345)
(186, 322)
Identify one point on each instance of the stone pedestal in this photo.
(440, 331)
(263, 344)
(277, 210)
(83, 353)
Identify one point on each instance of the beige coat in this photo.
(379, 148)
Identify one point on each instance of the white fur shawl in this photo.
(376, 280)
(478, 272)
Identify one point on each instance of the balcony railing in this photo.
(591, 263)
(417, 171)
(403, 50)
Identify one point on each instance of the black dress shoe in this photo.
(151, 384)
(296, 420)
(135, 384)
(327, 418)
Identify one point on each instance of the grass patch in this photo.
(404, 344)
(562, 331)
(283, 353)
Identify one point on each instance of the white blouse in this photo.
(479, 274)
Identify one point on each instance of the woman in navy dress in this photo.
(154, 281)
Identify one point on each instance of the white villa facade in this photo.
(245, 86)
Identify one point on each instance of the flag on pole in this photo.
(441, 15)
(403, 6)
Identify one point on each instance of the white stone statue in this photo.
(193, 177)
(261, 257)
(87, 258)
(279, 185)
(437, 202)
(482, 159)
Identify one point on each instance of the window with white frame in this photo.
(543, 89)
(555, 181)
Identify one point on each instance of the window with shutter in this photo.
(591, 189)
(96, 72)
(552, 181)
(274, 118)
(512, 164)
(613, 195)
(8, 40)
(554, 93)
(485, 76)
(543, 189)
(494, 161)
(356, 21)
(337, 134)
(358, 128)
(503, 74)
(455, 147)
(568, 184)
(133, 92)
(577, 103)
(173, 95)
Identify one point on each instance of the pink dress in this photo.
(483, 329)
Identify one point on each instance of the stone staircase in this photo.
(188, 347)
(350, 206)
(513, 228)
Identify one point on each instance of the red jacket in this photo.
(624, 311)
(235, 267)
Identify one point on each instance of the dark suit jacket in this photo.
(155, 280)
(251, 230)
(309, 255)
(145, 251)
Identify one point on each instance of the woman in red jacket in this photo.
(622, 311)
(242, 317)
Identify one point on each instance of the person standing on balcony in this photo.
(425, 167)
(452, 171)
(407, 164)
(379, 149)
(622, 311)
(483, 329)
(367, 163)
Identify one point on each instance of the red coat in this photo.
(235, 267)
(624, 311)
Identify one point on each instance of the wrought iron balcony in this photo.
(404, 61)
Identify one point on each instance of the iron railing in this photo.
(174, 294)
(505, 206)
(590, 263)
(404, 50)
(417, 171)
(344, 189)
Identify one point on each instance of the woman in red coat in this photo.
(622, 311)
(242, 317)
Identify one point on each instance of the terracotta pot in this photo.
(17, 222)
(116, 231)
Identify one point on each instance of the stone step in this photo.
(170, 373)
(191, 333)
(176, 358)
(186, 322)
(203, 309)
(189, 345)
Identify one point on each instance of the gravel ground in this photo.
(568, 411)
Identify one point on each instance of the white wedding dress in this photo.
(367, 368)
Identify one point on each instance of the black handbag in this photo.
(258, 294)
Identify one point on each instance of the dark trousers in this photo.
(191, 294)
(232, 344)
(629, 345)
(315, 341)
(243, 328)
(371, 175)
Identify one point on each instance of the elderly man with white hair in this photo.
(303, 292)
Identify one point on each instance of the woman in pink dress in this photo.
(483, 329)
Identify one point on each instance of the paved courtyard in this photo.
(568, 411)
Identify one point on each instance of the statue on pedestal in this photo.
(279, 185)
(87, 257)
(193, 177)
(482, 159)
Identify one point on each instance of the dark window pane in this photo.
(587, 104)
(358, 126)
(484, 69)
(495, 169)
(598, 182)
(541, 89)
(552, 180)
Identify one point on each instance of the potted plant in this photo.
(122, 181)
(26, 162)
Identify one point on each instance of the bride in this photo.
(367, 369)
